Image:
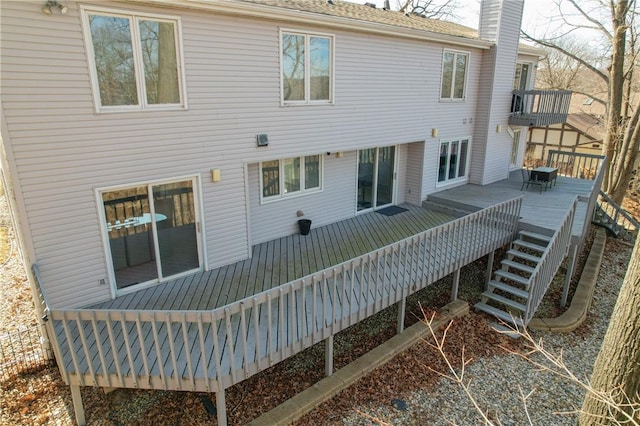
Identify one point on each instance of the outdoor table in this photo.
(545, 174)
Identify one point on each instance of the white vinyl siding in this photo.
(336, 202)
(491, 154)
(63, 150)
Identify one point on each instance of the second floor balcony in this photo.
(539, 108)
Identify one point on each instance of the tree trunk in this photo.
(626, 158)
(613, 136)
(617, 369)
(168, 92)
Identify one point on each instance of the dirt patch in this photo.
(5, 245)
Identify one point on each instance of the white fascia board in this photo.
(525, 49)
(230, 7)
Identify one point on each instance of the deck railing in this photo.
(617, 220)
(549, 263)
(575, 164)
(581, 166)
(212, 350)
(539, 108)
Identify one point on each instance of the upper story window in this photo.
(453, 162)
(521, 78)
(454, 75)
(290, 176)
(307, 68)
(135, 60)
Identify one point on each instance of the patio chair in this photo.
(526, 180)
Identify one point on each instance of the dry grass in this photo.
(5, 245)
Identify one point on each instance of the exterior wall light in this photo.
(51, 5)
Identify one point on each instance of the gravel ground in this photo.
(16, 305)
(496, 380)
(42, 397)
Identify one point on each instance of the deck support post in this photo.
(573, 252)
(221, 408)
(455, 285)
(402, 306)
(78, 408)
(489, 269)
(328, 356)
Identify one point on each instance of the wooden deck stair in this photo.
(616, 220)
(507, 293)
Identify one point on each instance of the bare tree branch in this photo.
(571, 55)
(597, 24)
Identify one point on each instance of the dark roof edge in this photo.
(231, 7)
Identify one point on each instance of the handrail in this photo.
(620, 211)
(581, 166)
(620, 217)
(576, 164)
(46, 330)
(539, 107)
(212, 350)
(549, 263)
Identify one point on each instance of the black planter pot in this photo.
(305, 226)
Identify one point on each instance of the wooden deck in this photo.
(541, 212)
(281, 261)
(174, 337)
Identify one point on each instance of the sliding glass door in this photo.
(376, 169)
(152, 231)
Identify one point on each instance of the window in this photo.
(515, 146)
(521, 78)
(307, 68)
(453, 160)
(152, 231)
(136, 61)
(290, 176)
(454, 75)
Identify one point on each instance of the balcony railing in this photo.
(539, 108)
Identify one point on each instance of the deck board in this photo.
(544, 210)
(272, 264)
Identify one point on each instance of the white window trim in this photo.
(466, 76)
(307, 79)
(201, 235)
(302, 192)
(135, 39)
(528, 85)
(460, 179)
(516, 142)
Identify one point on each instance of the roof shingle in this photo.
(363, 13)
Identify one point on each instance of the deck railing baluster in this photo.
(98, 339)
(204, 359)
(348, 292)
(187, 350)
(156, 344)
(282, 341)
(271, 339)
(230, 347)
(217, 352)
(256, 330)
(127, 345)
(114, 350)
(172, 351)
(143, 349)
(85, 349)
(72, 350)
(243, 330)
